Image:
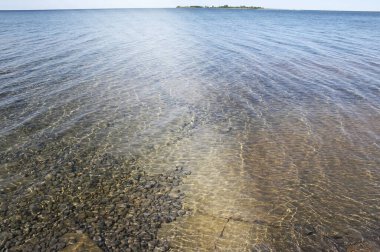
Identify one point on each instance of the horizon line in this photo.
(123, 8)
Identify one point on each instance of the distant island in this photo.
(223, 7)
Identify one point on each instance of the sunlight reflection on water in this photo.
(275, 113)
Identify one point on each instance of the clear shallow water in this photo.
(275, 113)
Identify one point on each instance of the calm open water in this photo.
(275, 113)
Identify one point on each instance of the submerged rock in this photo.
(79, 205)
(305, 229)
(78, 243)
(365, 246)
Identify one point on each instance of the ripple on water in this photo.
(274, 116)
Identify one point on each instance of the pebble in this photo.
(305, 229)
(49, 177)
(118, 209)
(365, 246)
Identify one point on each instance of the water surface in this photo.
(275, 113)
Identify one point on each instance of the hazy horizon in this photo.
(333, 5)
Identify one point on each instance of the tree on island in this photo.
(226, 6)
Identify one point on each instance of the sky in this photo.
(359, 5)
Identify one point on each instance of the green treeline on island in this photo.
(223, 7)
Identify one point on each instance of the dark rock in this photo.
(305, 229)
(35, 209)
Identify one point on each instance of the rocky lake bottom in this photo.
(86, 202)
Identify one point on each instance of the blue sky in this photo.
(370, 5)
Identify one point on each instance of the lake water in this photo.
(276, 114)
